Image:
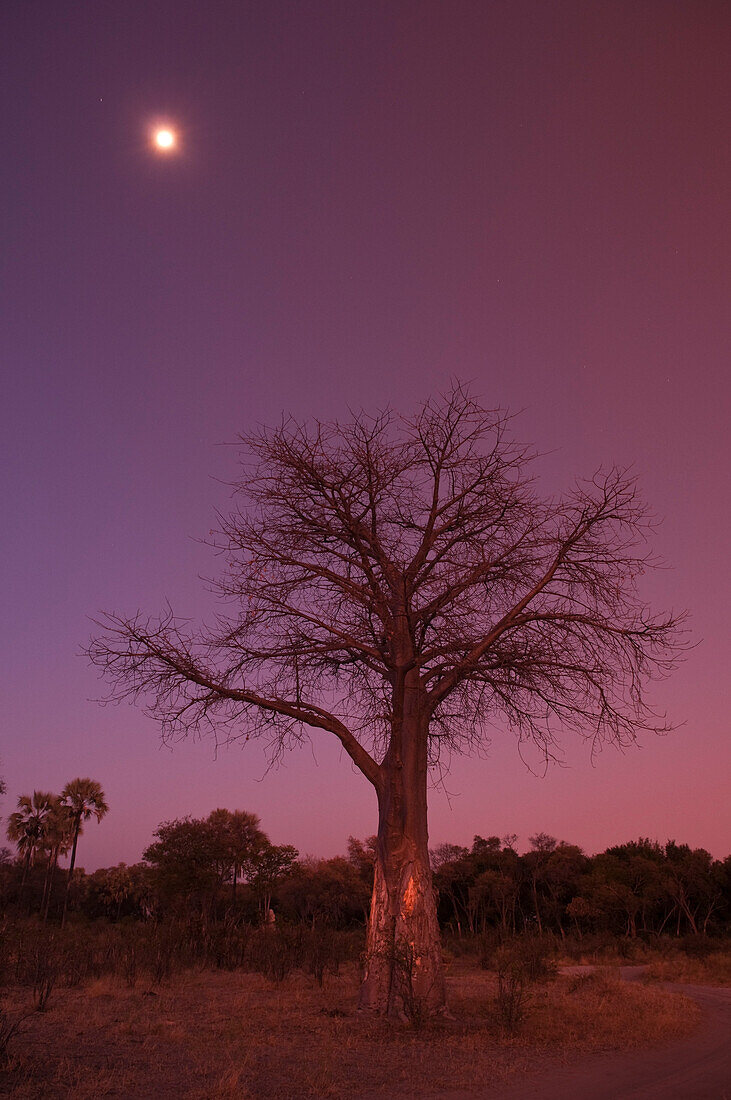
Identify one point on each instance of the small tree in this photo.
(325, 892)
(188, 863)
(273, 862)
(239, 839)
(192, 858)
(399, 583)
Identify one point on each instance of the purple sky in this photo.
(369, 198)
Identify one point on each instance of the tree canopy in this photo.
(514, 605)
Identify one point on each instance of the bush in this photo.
(459, 947)
(520, 963)
(591, 945)
(538, 958)
(488, 946)
(324, 951)
(9, 1027)
(511, 986)
(275, 952)
(45, 962)
(227, 945)
(697, 947)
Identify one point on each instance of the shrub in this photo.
(9, 1027)
(536, 955)
(511, 986)
(697, 947)
(275, 952)
(488, 945)
(45, 973)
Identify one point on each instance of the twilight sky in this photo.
(368, 198)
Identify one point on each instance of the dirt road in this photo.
(696, 1068)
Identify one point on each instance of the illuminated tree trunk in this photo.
(403, 962)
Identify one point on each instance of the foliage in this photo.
(193, 859)
(273, 863)
(83, 799)
(117, 892)
(331, 893)
(49, 825)
(632, 891)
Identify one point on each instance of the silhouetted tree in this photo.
(240, 840)
(193, 858)
(83, 799)
(453, 878)
(27, 828)
(554, 871)
(693, 886)
(188, 862)
(362, 854)
(116, 892)
(57, 837)
(496, 889)
(325, 892)
(273, 863)
(397, 583)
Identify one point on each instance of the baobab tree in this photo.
(399, 583)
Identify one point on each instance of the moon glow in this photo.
(165, 139)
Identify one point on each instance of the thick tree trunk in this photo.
(403, 962)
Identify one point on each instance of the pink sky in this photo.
(368, 200)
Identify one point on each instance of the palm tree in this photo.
(56, 842)
(84, 798)
(27, 827)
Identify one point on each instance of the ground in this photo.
(205, 1035)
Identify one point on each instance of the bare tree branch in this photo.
(361, 555)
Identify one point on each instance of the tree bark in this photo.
(404, 974)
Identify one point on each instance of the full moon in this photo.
(165, 139)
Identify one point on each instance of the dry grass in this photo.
(598, 1011)
(235, 1036)
(714, 969)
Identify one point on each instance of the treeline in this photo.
(225, 866)
(641, 888)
